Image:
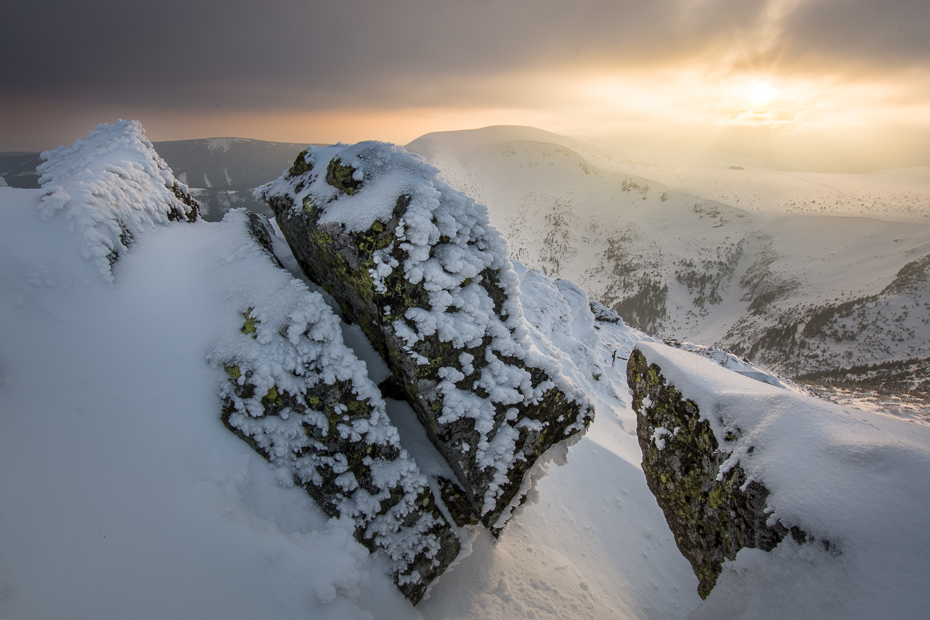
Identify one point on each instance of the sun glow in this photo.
(762, 93)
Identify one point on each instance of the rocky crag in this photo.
(300, 397)
(711, 506)
(292, 389)
(417, 265)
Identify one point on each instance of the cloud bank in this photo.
(618, 64)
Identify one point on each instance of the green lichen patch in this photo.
(249, 326)
(342, 176)
(321, 237)
(310, 203)
(301, 165)
(232, 369)
(272, 396)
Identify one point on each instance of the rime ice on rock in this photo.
(112, 186)
(301, 398)
(418, 266)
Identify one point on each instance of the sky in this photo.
(808, 84)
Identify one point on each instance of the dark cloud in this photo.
(280, 57)
(881, 35)
(253, 54)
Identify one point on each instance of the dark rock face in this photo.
(711, 519)
(176, 213)
(429, 283)
(324, 421)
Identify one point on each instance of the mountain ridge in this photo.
(730, 267)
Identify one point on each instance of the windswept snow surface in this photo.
(122, 495)
(860, 481)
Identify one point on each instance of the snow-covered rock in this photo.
(833, 493)
(301, 398)
(112, 186)
(292, 389)
(714, 511)
(418, 266)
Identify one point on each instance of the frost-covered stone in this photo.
(418, 266)
(710, 504)
(112, 186)
(301, 398)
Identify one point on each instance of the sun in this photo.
(762, 93)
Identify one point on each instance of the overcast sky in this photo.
(836, 73)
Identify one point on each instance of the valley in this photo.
(820, 277)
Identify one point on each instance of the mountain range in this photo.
(820, 277)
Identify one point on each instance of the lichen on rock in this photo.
(295, 393)
(418, 266)
(710, 505)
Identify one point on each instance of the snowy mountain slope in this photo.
(223, 171)
(901, 194)
(123, 495)
(698, 251)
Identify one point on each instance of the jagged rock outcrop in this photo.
(113, 186)
(417, 265)
(300, 397)
(709, 505)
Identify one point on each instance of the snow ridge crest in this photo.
(112, 186)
